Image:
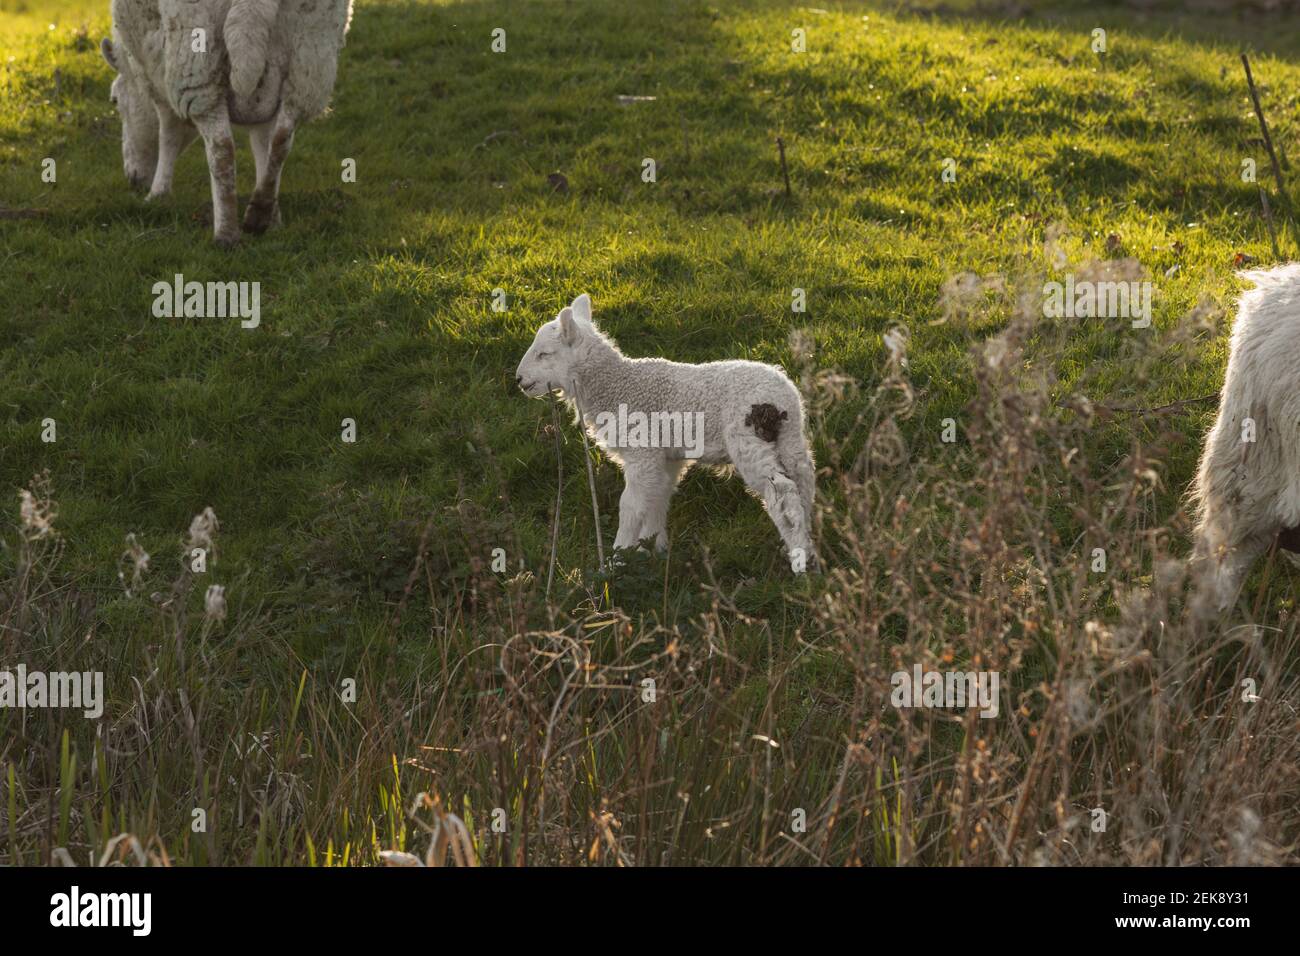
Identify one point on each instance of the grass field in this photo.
(371, 562)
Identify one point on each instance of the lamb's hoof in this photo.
(157, 197)
(226, 240)
(259, 217)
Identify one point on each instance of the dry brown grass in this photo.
(576, 731)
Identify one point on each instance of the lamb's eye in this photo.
(542, 355)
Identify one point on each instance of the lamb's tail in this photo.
(247, 34)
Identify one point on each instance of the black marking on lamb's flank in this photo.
(766, 420)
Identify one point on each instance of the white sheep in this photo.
(195, 67)
(655, 418)
(1247, 489)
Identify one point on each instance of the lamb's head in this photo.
(557, 349)
(130, 94)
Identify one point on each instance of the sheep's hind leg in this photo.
(219, 143)
(271, 145)
(756, 461)
(174, 134)
(796, 458)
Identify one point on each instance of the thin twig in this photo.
(591, 479)
(785, 172)
(559, 490)
(495, 135)
(1263, 128)
(1268, 218)
(415, 571)
(595, 511)
(1153, 410)
(7, 213)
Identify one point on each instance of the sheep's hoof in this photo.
(227, 240)
(258, 217)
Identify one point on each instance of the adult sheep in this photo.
(189, 68)
(1247, 488)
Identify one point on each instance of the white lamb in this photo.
(194, 67)
(1247, 488)
(655, 418)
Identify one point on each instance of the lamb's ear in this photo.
(582, 308)
(568, 327)
(110, 55)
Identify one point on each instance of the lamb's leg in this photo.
(174, 134)
(660, 485)
(219, 143)
(797, 460)
(645, 497)
(271, 145)
(757, 462)
(631, 507)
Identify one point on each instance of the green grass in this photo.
(376, 295)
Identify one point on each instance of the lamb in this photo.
(655, 418)
(1247, 489)
(188, 68)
